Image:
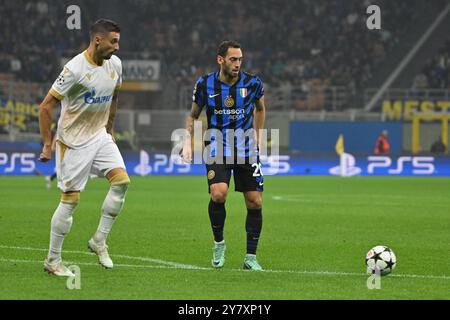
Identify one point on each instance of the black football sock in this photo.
(217, 216)
(253, 226)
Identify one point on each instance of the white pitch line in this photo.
(177, 266)
(159, 261)
(351, 196)
(331, 201)
(334, 273)
(90, 264)
(168, 263)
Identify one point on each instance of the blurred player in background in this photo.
(234, 102)
(88, 91)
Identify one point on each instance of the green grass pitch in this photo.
(316, 232)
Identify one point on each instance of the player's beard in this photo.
(105, 55)
(229, 72)
(108, 56)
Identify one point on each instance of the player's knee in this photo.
(70, 198)
(219, 195)
(115, 199)
(62, 218)
(254, 203)
(61, 224)
(120, 179)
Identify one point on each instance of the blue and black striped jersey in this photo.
(228, 109)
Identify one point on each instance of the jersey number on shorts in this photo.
(258, 169)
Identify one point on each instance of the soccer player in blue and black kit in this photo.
(234, 103)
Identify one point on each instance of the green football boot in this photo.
(250, 263)
(218, 259)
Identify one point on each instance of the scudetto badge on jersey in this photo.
(243, 92)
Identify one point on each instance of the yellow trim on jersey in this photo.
(88, 58)
(63, 149)
(55, 94)
(70, 198)
(119, 179)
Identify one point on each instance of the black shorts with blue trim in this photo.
(247, 177)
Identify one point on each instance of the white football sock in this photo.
(60, 227)
(110, 210)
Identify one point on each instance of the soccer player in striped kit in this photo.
(234, 103)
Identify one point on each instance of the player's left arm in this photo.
(259, 119)
(112, 114)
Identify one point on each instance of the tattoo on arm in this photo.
(195, 113)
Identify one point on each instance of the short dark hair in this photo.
(104, 26)
(223, 47)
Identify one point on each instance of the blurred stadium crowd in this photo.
(436, 71)
(284, 41)
(35, 37)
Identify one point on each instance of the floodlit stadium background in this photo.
(325, 74)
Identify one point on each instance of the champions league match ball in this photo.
(381, 258)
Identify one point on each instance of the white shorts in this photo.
(74, 166)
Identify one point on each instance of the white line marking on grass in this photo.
(351, 196)
(359, 200)
(90, 264)
(167, 263)
(159, 261)
(334, 273)
(314, 273)
(174, 265)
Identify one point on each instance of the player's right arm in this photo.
(58, 91)
(187, 145)
(198, 101)
(45, 126)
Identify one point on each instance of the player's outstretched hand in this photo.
(46, 154)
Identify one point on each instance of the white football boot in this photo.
(57, 268)
(102, 253)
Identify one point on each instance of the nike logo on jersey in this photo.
(213, 95)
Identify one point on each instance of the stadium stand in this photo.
(436, 71)
(313, 56)
(303, 49)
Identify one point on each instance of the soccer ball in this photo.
(380, 258)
